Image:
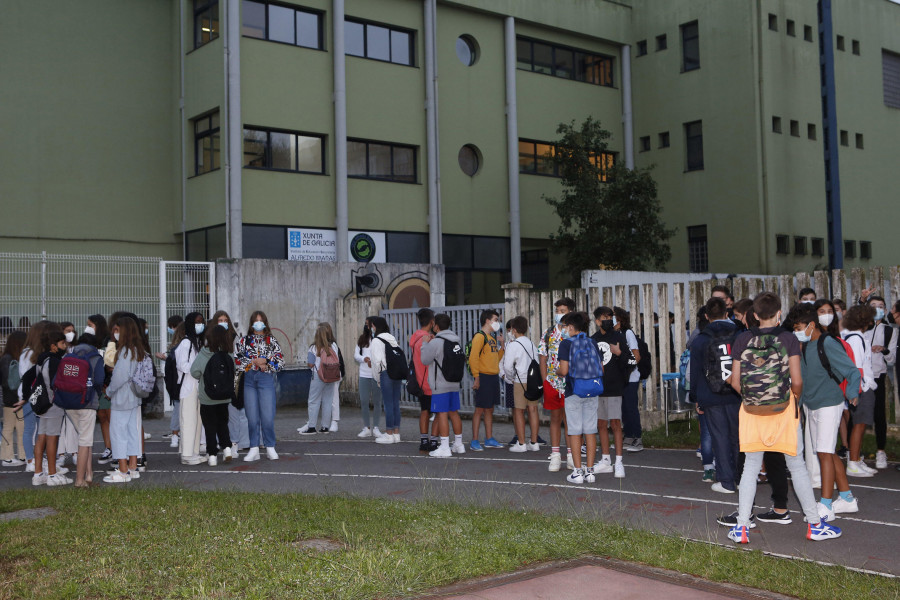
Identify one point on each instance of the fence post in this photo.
(515, 300)
(696, 300)
(650, 398)
(820, 284)
(895, 286)
(785, 292)
(878, 282)
(212, 289)
(43, 285)
(680, 342)
(802, 280)
(857, 284)
(634, 307)
(839, 284)
(534, 316)
(547, 311)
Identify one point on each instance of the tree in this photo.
(609, 215)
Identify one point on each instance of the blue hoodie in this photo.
(700, 391)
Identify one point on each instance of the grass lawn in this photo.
(170, 543)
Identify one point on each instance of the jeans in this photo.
(30, 430)
(238, 430)
(259, 404)
(631, 414)
(799, 475)
(368, 393)
(722, 425)
(215, 422)
(175, 421)
(706, 446)
(320, 403)
(390, 396)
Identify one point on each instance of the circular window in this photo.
(467, 50)
(469, 159)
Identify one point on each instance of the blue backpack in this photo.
(585, 367)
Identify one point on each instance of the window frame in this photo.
(782, 244)
(210, 132)
(687, 141)
(698, 234)
(817, 246)
(391, 29)
(776, 124)
(604, 174)
(320, 17)
(644, 143)
(587, 54)
(392, 146)
(800, 248)
(662, 42)
(865, 250)
(849, 248)
(773, 22)
(811, 131)
(790, 28)
(640, 48)
(664, 139)
(890, 63)
(268, 149)
(207, 6)
(684, 39)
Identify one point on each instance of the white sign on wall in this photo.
(319, 245)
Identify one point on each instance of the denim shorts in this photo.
(581, 415)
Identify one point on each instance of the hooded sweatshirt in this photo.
(379, 358)
(197, 369)
(121, 396)
(433, 354)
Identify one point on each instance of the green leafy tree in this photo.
(609, 215)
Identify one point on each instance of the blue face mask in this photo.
(879, 314)
(170, 331)
(615, 322)
(557, 317)
(258, 326)
(199, 327)
(223, 324)
(564, 333)
(802, 337)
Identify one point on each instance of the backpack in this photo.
(143, 380)
(218, 377)
(33, 382)
(455, 363)
(852, 355)
(585, 367)
(534, 382)
(171, 377)
(684, 370)
(765, 374)
(468, 350)
(73, 382)
(413, 387)
(397, 367)
(717, 368)
(329, 366)
(645, 365)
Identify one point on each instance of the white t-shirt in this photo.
(360, 357)
(632, 345)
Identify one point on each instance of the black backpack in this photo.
(171, 376)
(645, 365)
(534, 382)
(34, 389)
(397, 367)
(453, 367)
(717, 368)
(413, 387)
(218, 377)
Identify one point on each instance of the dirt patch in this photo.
(29, 514)
(318, 545)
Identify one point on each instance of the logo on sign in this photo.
(362, 247)
(295, 239)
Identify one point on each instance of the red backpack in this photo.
(329, 366)
(70, 386)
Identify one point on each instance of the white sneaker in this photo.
(555, 462)
(855, 470)
(825, 513)
(174, 442)
(203, 448)
(13, 462)
(570, 464)
(366, 432)
(839, 505)
(134, 474)
(226, 454)
(117, 476)
(867, 468)
(604, 466)
(385, 438)
(441, 452)
(620, 470)
(235, 451)
(458, 448)
(532, 447)
(518, 448)
(334, 427)
(589, 475)
(716, 487)
(396, 438)
(271, 454)
(39, 479)
(576, 476)
(192, 460)
(376, 432)
(880, 460)
(57, 479)
(212, 460)
(252, 454)
(147, 436)
(29, 466)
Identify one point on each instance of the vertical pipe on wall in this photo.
(830, 137)
(512, 153)
(235, 128)
(182, 154)
(341, 221)
(627, 114)
(434, 227)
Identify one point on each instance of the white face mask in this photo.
(223, 324)
(258, 326)
(826, 319)
(495, 325)
(615, 321)
(116, 335)
(557, 317)
(90, 330)
(70, 336)
(199, 327)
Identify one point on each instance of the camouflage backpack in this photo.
(765, 375)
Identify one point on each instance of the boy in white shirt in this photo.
(520, 352)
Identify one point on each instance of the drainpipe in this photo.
(235, 128)
(627, 114)
(512, 153)
(830, 137)
(181, 7)
(434, 227)
(340, 134)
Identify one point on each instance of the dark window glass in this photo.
(664, 139)
(855, 45)
(523, 54)
(840, 43)
(776, 124)
(790, 28)
(800, 245)
(807, 33)
(644, 143)
(690, 46)
(356, 159)
(467, 50)
(491, 253)
(563, 63)
(407, 248)
(795, 128)
(379, 42)
(308, 30)
(537, 158)
(216, 246)
(206, 144)
(693, 133)
(810, 131)
(782, 244)
(264, 242)
(386, 161)
(544, 158)
(527, 157)
(849, 249)
(845, 138)
(281, 24)
(196, 245)
(253, 17)
(890, 78)
(642, 48)
(206, 21)
(865, 250)
(283, 150)
(354, 38)
(662, 42)
(468, 159)
(773, 22)
(543, 58)
(859, 141)
(400, 42)
(818, 246)
(255, 143)
(457, 251)
(698, 251)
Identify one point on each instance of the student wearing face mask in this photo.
(185, 354)
(238, 428)
(259, 356)
(883, 341)
(484, 364)
(68, 437)
(97, 327)
(175, 331)
(555, 385)
(50, 423)
(856, 321)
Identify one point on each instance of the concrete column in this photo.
(627, 115)
(512, 151)
(234, 127)
(341, 221)
(431, 125)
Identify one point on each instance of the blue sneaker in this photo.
(739, 534)
(492, 443)
(475, 446)
(822, 531)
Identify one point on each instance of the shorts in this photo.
(521, 402)
(51, 421)
(447, 402)
(553, 398)
(864, 411)
(488, 393)
(425, 403)
(83, 420)
(609, 408)
(581, 415)
(105, 402)
(824, 424)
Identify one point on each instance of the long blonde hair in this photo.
(324, 337)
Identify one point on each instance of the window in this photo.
(407, 247)
(811, 131)
(859, 141)
(855, 46)
(698, 253)
(664, 139)
(206, 244)
(782, 243)
(845, 138)
(298, 27)
(206, 143)
(693, 135)
(791, 30)
(849, 248)
(890, 76)
(642, 48)
(467, 50)
(808, 33)
(537, 158)
(469, 159)
(800, 245)
(795, 128)
(840, 43)
(264, 241)
(773, 22)
(645, 143)
(379, 42)
(690, 46)
(283, 150)
(206, 21)
(865, 250)
(661, 42)
(536, 268)
(381, 160)
(818, 246)
(776, 124)
(564, 62)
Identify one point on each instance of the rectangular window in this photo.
(642, 48)
(849, 248)
(537, 158)
(664, 139)
(808, 33)
(790, 28)
(286, 25)
(407, 247)
(693, 135)
(859, 141)
(782, 244)
(890, 77)
(845, 138)
(284, 150)
(264, 241)
(206, 143)
(800, 245)
(381, 160)
(776, 124)
(855, 46)
(690, 46)
(565, 62)
(811, 131)
(698, 252)
(206, 244)
(661, 42)
(795, 128)
(840, 43)
(379, 42)
(773, 22)
(206, 21)
(645, 143)
(865, 250)
(818, 246)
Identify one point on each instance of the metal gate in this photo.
(465, 323)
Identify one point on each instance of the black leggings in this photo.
(215, 422)
(881, 412)
(776, 473)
